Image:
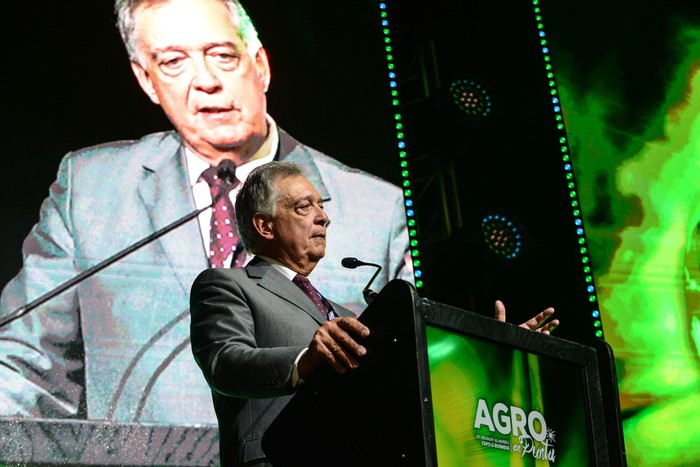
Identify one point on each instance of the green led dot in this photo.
(404, 164)
(565, 158)
(581, 241)
(550, 75)
(407, 193)
(397, 116)
(538, 18)
(574, 204)
(597, 323)
(412, 233)
(387, 40)
(416, 263)
(390, 57)
(419, 284)
(558, 118)
(587, 269)
(395, 102)
(386, 31)
(570, 186)
(599, 333)
(553, 92)
(399, 126)
(572, 194)
(414, 242)
(548, 67)
(539, 26)
(588, 279)
(406, 183)
(383, 14)
(404, 173)
(411, 222)
(583, 251)
(399, 135)
(551, 83)
(414, 253)
(388, 48)
(569, 176)
(584, 260)
(390, 66)
(394, 93)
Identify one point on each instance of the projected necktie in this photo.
(223, 234)
(319, 300)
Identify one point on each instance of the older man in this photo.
(258, 331)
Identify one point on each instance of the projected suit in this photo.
(120, 339)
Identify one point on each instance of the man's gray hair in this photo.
(259, 195)
(126, 24)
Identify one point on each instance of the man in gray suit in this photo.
(114, 346)
(255, 334)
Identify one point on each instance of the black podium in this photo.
(445, 386)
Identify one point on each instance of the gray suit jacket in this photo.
(248, 325)
(116, 346)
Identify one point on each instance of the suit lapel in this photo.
(276, 283)
(167, 196)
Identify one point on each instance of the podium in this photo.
(444, 386)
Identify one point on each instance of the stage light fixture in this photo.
(471, 97)
(503, 235)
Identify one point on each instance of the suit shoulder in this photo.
(132, 149)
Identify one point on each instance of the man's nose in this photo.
(204, 76)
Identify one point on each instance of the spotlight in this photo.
(502, 235)
(471, 97)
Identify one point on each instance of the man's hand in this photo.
(534, 323)
(334, 343)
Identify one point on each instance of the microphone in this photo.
(352, 263)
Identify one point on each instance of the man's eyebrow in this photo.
(208, 46)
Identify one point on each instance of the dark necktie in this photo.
(223, 234)
(319, 300)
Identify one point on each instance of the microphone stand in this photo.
(23, 310)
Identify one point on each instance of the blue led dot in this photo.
(418, 273)
(392, 75)
(402, 144)
(557, 108)
(577, 222)
(590, 289)
(596, 314)
(555, 100)
(409, 212)
(579, 231)
(567, 167)
(545, 50)
(409, 203)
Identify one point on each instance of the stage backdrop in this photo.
(628, 79)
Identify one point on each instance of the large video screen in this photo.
(95, 360)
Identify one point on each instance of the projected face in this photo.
(194, 64)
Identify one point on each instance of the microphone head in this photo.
(350, 263)
(226, 170)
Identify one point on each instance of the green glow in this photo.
(644, 233)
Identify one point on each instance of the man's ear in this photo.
(262, 64)
(263, 225)
(145, 82)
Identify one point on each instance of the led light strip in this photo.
(401, 146)
(569, 174)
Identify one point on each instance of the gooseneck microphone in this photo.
(352, 263)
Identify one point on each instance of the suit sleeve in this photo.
(225, 342)
(41, 363)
